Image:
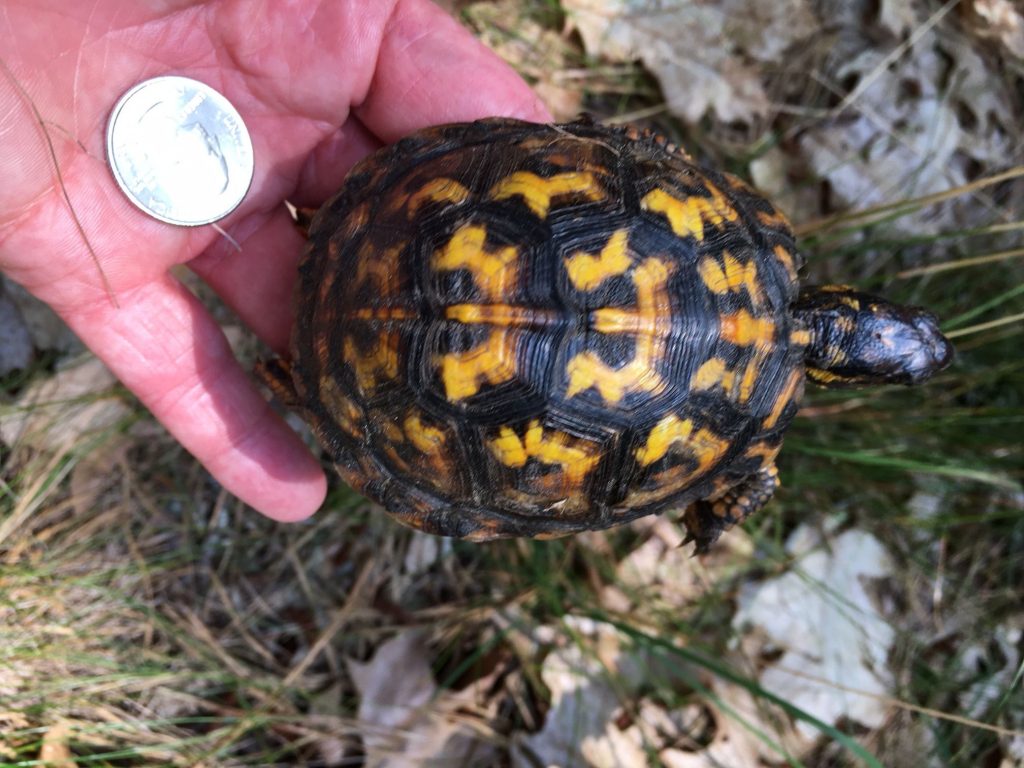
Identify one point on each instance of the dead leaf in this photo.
(770, 174)
(834, 643)
(705, 56)
(55, 751)
(731, 721)
(888, 148)
(1002, 20)
(423, 552)
(579, 728)
(59, 411)
(899, 16)
(538, 53)
(406, 720)
(333, 747)
(921, 127)
(662, 574)
(1014, 746)
(588, 674)
(724, 750)
(1000, 659)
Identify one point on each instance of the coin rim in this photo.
(119, 177)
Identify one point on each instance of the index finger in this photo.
(431, 70)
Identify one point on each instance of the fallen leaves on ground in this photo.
(406, 720)
(540, 54)
(1001, 20)
(77, 401)
(992, 674)
(821, 622)
(883, 132)
(705, 55)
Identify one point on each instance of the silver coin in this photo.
(179, 150)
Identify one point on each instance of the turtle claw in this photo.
(707, 519)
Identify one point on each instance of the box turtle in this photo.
(512, 329)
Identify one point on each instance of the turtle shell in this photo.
(512, 329)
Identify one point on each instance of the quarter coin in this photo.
(179, 150)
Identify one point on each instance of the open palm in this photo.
(319, 84)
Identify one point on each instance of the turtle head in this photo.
(857, 338)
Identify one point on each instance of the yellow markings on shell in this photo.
(669, 430)
(379, 266)
(538, 192)
(743, 329)
(800, 337)
(763, 451)
(494, 272)
(442, 190)
(785, 258)
(587, 369)
(326, 285)
(384, 314)
(773, 218)
(359, 218)
(392, 431)
(618, 320)
(688, 217)
(397, 461)
(702, 445)
(714, 373)
(851, 302)
(424, 438)
(587, 272)
(711, 374)
(791, 390)
(730, 276)
(501, 315)
(379, 364)
(494, 361)
(749, 378)
(345, 412)
(547, 447)
(416, 447)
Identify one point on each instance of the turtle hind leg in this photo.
(708, 519)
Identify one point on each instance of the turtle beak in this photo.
(933, 353)
(940, 348)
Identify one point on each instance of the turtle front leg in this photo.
(708, 519)
(276, 375)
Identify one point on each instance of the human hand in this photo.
(296, 71)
